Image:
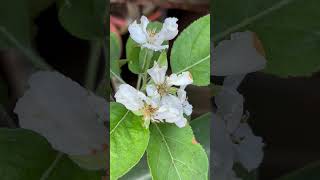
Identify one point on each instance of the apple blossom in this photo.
(150, 38)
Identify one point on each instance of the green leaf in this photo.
(145, 59)
(174, 154)
(191, 51)
(132, 53)
(82, 18)
(288, 34)
(310, 172)
(14, 23)
(162, 60)
(128, 140)
(133, 50)
(115, 51)
(27, 155)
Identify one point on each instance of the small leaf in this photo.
(172, 155)
(82, 18)
(191, 51)
(162, 60)
(128, 140)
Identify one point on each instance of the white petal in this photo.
(131, 98)
(170, 110)
(181, 122)
(66, 114)
(169, 29)
(249, 152)
(182, 79)
(137, 33)
(237, 56)
(151, 90)
(187, 107)
(144, 23)
(157, 73)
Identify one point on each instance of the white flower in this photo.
(171, 111)
(237, 56)
(152, 109)
(151, 39)
(162, 83)
(67, 115)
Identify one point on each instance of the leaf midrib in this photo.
(251, 19)
(194, 64)
(169, 151)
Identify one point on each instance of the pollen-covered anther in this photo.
(148, 111)
(163, 89)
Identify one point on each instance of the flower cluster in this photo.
(163, 101)
(233, 139)
(165, 98)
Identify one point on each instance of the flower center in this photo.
(162, 89)
(148, 111)
(152, 35)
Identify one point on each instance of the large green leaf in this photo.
(286, 29)
(14, 23)
(128, 140)
(115, 50)
(82, 18)
(26, 155)
(191, 51)
(174, 154)
(310, 172)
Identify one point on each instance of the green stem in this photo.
(93, 64)
(149, 54)
(139, 82)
